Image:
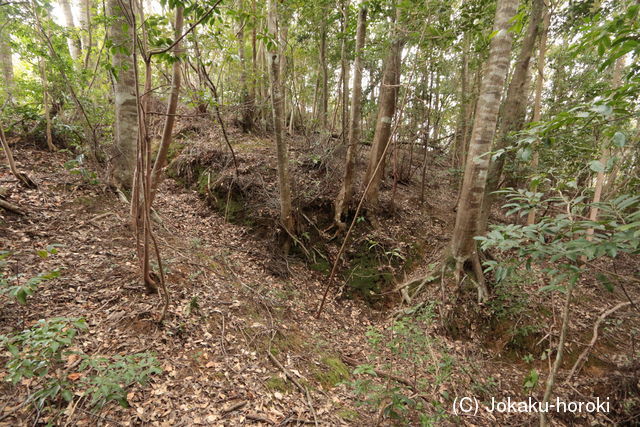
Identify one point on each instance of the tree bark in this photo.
(167, 132)
(73, 41)
(462, 124)
(126, 108)
(513, 110)
(604, 157)
(6, 59)
(344, 63)
(475, 176)
(84, 19)
(346, 191)
(245, 98)
(284, 180)
(386, 110)
(537, 101)
(324, 80)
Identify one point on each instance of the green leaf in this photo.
(619, 139)
(596, 166)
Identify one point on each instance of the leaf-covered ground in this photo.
(235, 331)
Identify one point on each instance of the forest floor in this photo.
(235, 331)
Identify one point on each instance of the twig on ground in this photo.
(594, 338)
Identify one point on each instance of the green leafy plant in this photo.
(21, 289)
(44, 355)
(406, 350)
(108, 378)
(75, 167)
(38, 352)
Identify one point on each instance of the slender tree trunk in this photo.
(254, 62)
(47, 107)
(73, 42)
(386, 110)
(462, 124)
(167, 132)
(324, 80)
(6, 59)
(344, 63)
(513, 111)
(126, 108)
(346, 191)
(604, 157)
(551, 379)
(86, 37)
(284, 180)
(245, 98)
(537, 102)
(463, 245)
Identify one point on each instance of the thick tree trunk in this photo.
(275, 65)
(126, 105)
(513, 110)
(537, 100)
(167, 132)
(6, 59)
(73, 42)
(346, 191)
(386, 110)
(463, 245)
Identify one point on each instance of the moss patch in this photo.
(331, 372)
(348, 414)
(277, 383)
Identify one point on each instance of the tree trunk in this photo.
(475, 176)
(167, 132)
(537, 101)
(84, 19)
(284, 180)
(513, 110)
(324, 80)
(462, 124)
(126, 109)
(6, 59)
(386, 110)
(604, 157)
(73, 42)
(346, 191)
(47, 108)
(344, 63)
(245, 99)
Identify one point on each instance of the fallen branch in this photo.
(594, 338)
(404, 381)
(234, 407)
(11, 207)
(290, 376)
(28, 182)
(260, 418)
